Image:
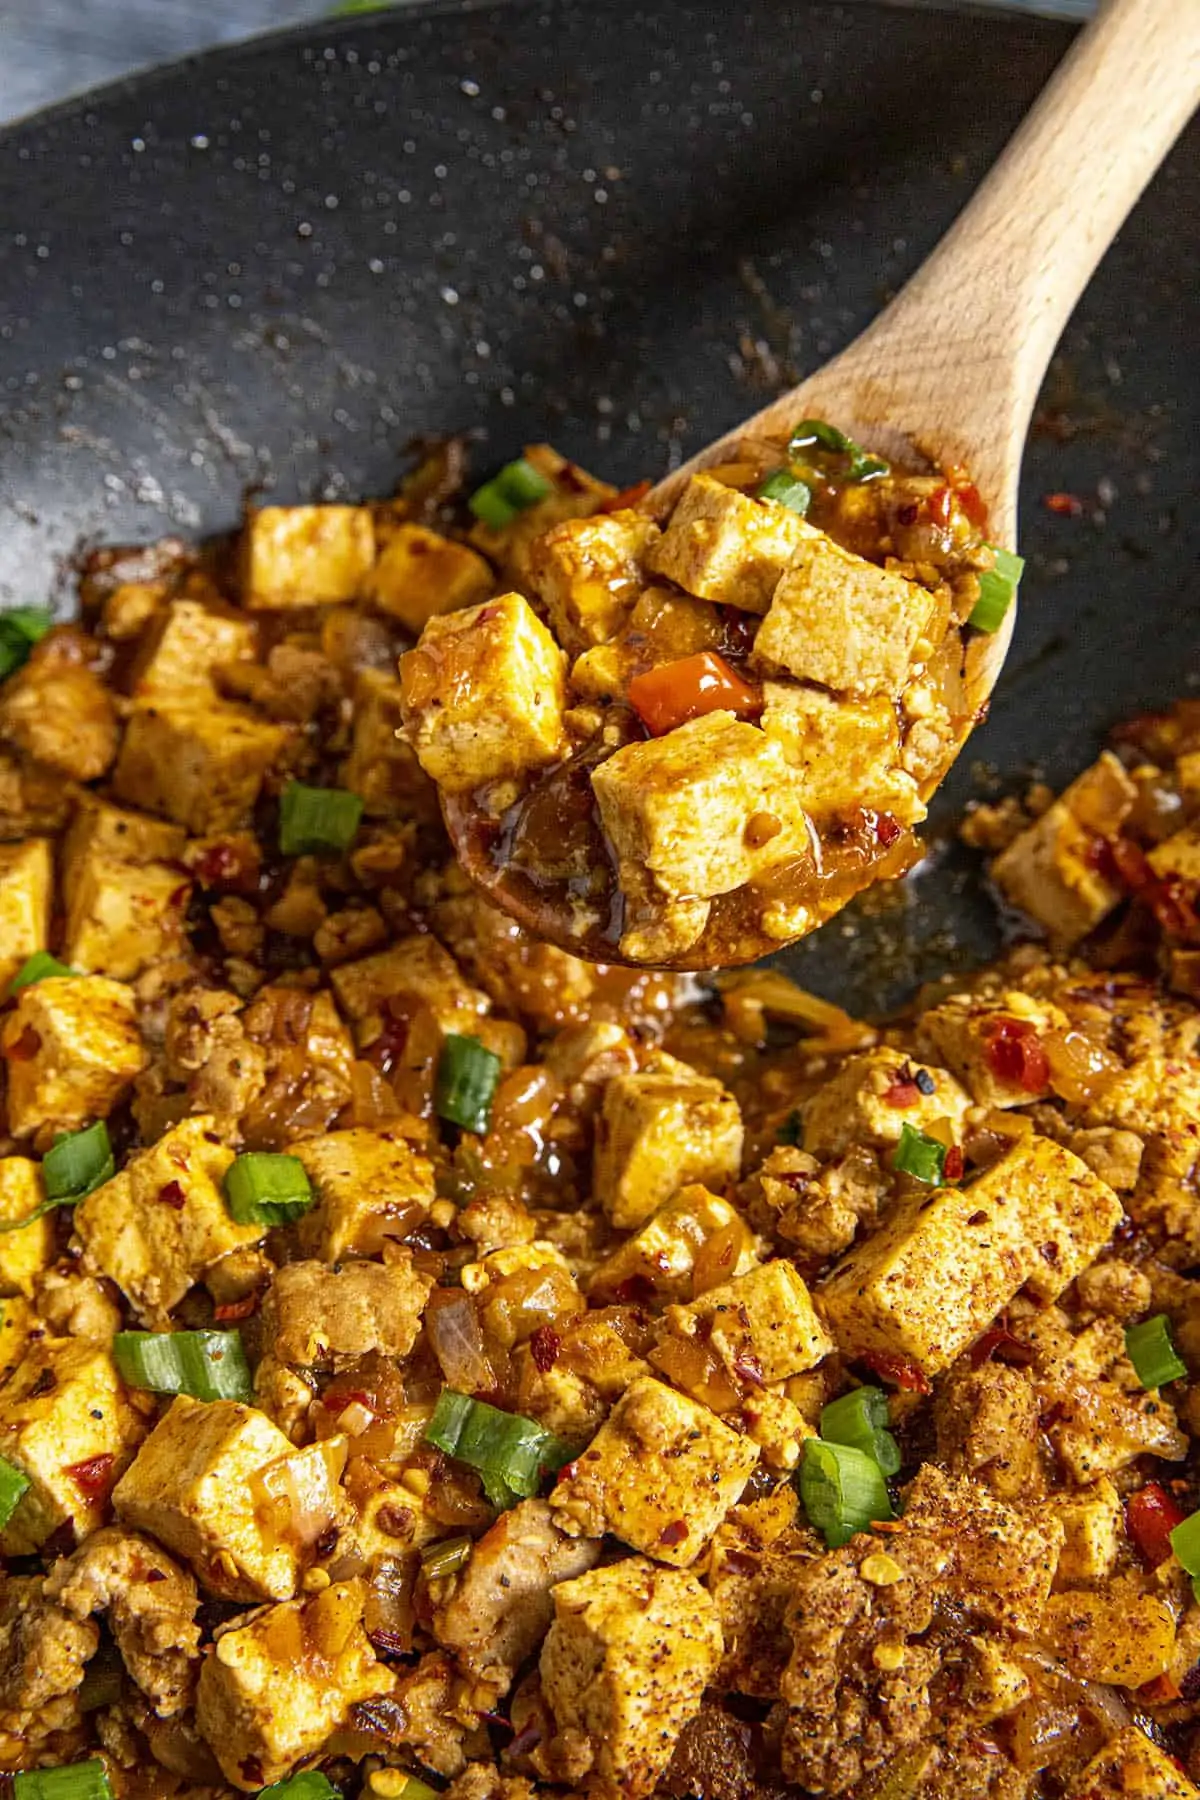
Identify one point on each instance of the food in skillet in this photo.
(689, 746)
(434, 1363)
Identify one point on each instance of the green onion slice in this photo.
(787, 490)
(446, 1558)
(997, 588)
(1150, 1349)
(317, 821)
(510, 1453)
(919, 1155)
(843, 1490)
(516, 488)
(262, 1188)
(467, 1076)
(208, 1365)
(101, 1684)
(418, 1790)
(20, 630)
(860, 1420)
(825, 436)
(792, 1129)
(77, 1164)
(1185, 1542)
(37, 968)
(13, 1484)
(73, 1781)
(310, 1784)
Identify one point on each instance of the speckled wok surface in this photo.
(614, 226)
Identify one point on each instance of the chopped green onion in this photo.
(1152, 1353)
(20, 630)
(920, 1156)
(843, 1490)
(311, 1784)
(73, 1781)
(787, 490)
(38, 967)
(467, 1075)
(208, 1365)
(792, 1129)
(263, 1188)
(864, 466)
(417, 1790)
(316, 821)
(101, 1684)
(861, 1419)
(512, 1454)
(517, 487)
(13, 1483)
(816, 431)
(997, 587)
(77, 1164)
(446, 1558)
(491, 508)
(1185, 1542)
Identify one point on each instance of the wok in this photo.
(270, 267)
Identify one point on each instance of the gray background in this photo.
(54, 48)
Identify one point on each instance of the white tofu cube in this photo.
(72, 1047)
(762, 1323)
(846, 753)
(419, 574)
(221, 1486)
(1051, 871)
(26, 891)
(625, 1663)
(873, 1096)
(369, 1187)
(23, 1254)
(187, 644)
(483, 695)
(659, 1258)
(66, 1424)
(843, 622)
(660, 1474)
(124, 915)
(705, 809)
(201, 764)
(656, 1132)
(727, 547)
(162, 1222)
(307, 555)
(588, 573)
(1035, 1219)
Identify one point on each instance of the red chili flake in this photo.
(952, 1167)
(25, 1047)
(172, 1194)
(1173, 905)
(1015, 1054)
(179, 896)
(1067, 506)
(1150, 1517)
(940, 505)
(908, 514)
(901, 1371)
(544, 1347)
(673, 1534)
(219, 865)
(154, 1575)
(233, 1310)
(748, 1368)
(629, 496)
(972, 503)
(887, 828)
(1159, 1692)
(635, 1290)
(882, 826)
(388, 1643)
(251, 1769)
(1000, 1343)
(901, 1093)
(91, 1476)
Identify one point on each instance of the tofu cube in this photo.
(1178, 856)
(307, 555)
(1050, 871)
(846, 753)
(871, 1099)
(162, 1222)
(575, 494)
(218, 1483)
(317, 1317)
(416, 971)
(843, 622)
(26, 890)
(483, 695)
(419, 574)
(124, 915)
(382, 767)
(1131, 1767)
(369, 1187)
(966, 1034)
(660, 1474)
(727, 547)
(705, 809)
(588, 573)
(661, 1256)
(626, 1660)
(18, 1324)
(1093, 1522)
(72, 1048)
(279, 1684)
(66, 1424)
(937, 1272)
(656, 1132)
(23, 1254)
(200, 764)
(188, 643)
(764, 1321)
(101, 830)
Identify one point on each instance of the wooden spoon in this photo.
(948, 375)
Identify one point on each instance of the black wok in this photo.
(617, 227)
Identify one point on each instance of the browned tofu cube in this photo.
(1131, 1767)
(188, 643)
(307, 555)
(124, 916)
(382, 767)
(871, 1098)
(202, 765)
(26, 890)
(1052, 872)
(980, 1042)
(72, 1047)
(846, 753)
(588, 574)
(728, 547)
(369, 1187)
(484, 694)
(658, 1130)
(25, 1253)
(99, 829)
(420, 574)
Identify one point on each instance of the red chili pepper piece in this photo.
(91, 1476)
(1150, 1517)
(674, 1533)
(1014, 1054)
(171, 1194)
(233, 1310)
(952, 1168)
(940, 505)
(972, 503)
(672, 693)
(999, 1342)
(901, 1093)
(901, 1371)
(1068, 506)
(628, 496)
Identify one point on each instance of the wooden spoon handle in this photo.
(963, 348)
